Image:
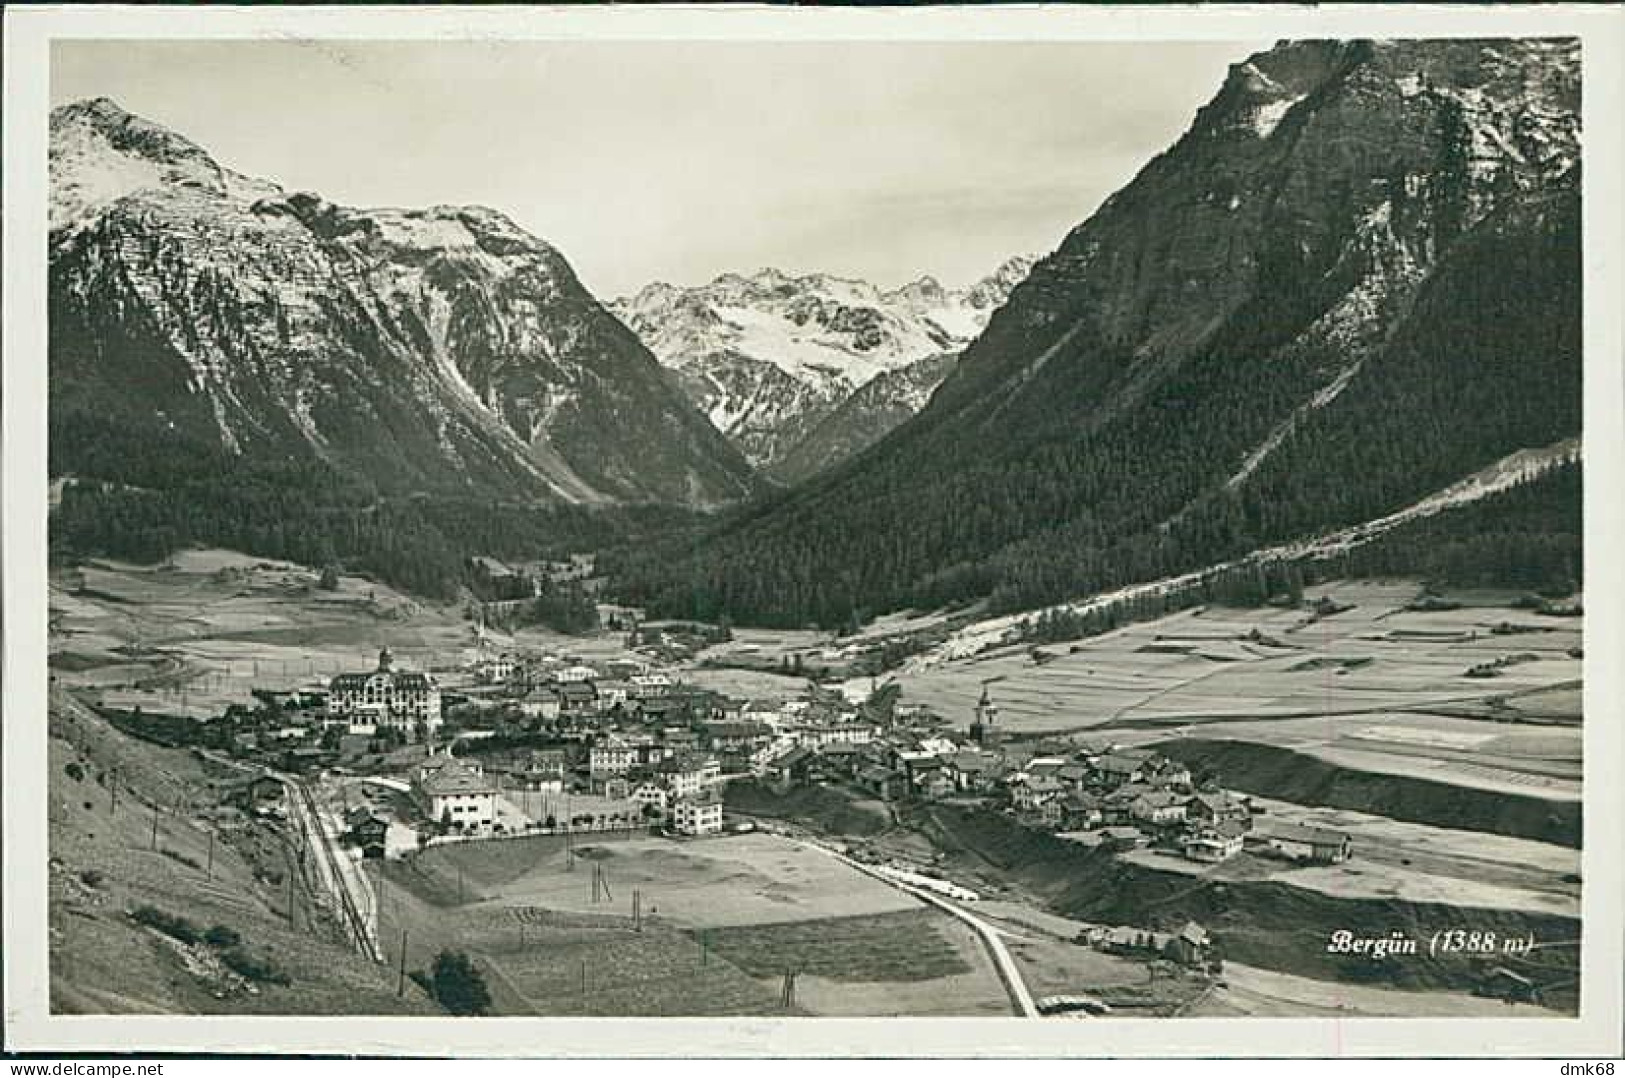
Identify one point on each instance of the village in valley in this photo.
(503, 742)
(407, 779)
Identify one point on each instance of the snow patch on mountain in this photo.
(279, 322)
(828, 336)
(1267, 117)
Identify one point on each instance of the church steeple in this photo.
(983, 729)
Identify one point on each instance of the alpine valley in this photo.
(1351, 285)
(1185, 623)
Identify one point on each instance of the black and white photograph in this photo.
(774, 526)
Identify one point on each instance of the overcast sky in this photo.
(679, 161)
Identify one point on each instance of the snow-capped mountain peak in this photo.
(766, 356)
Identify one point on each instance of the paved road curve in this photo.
(1008, 971)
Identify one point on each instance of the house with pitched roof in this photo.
(458, 796)
(1215, 842)
(1313, 844)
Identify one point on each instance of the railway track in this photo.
(356, 925)
(307, 817)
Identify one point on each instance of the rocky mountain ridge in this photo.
(770, 356)
(441, 349)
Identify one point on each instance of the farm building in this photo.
(1116, 769)
(1029, 793)
(790, 768)
(1313, 844)
(1158, 807)
(974, 771)
(576, 697)
(1217, 808)
(1080, 811)
(1190, 946)
(367, 829)
(1124, 838)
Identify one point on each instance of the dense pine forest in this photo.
(143, 498)
(1040, 507)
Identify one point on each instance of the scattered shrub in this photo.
(75, 772)
(457, 985)
(172, 925)
(92, 877)
(222, 936)
(256, 968)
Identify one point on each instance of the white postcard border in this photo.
(29, 1026)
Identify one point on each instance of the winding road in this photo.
(1009, 973)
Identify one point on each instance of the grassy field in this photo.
(1249, 992)
(1202, 664)
(205, 628)
(702, 883)
(903, 946)
(1376, 688)
(722, 919)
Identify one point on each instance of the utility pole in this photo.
(155, 826)
(788, 998)
(400, 983)
(583, 985)
(113, 785)
(210, 869)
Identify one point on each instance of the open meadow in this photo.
(718, 924)
(197, 633)
(1375, 687)
(1212, 664)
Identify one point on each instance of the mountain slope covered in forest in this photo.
(1353, 281)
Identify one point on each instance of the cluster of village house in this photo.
(1125, 798)
(632, 734)
(637, 735)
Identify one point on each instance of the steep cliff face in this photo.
(769, 357)
(1353, 280)
(441, 349)
(874, 410)
(1308, 200)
